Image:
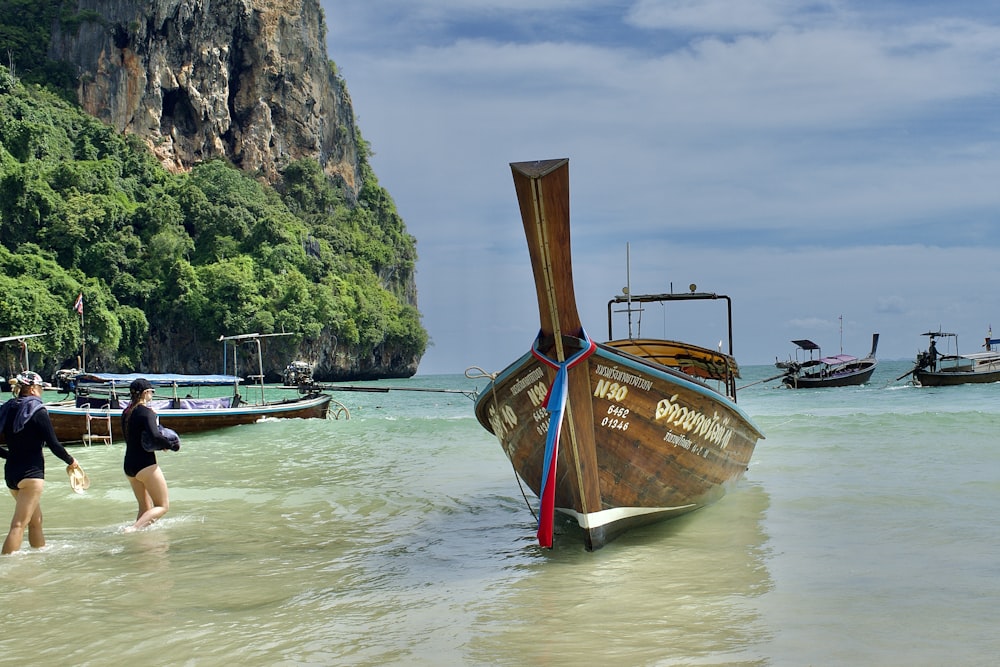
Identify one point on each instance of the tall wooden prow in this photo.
(543, 196)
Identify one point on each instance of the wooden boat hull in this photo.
(927, 378)
(70, 421)
(666, 444)
(848, 378)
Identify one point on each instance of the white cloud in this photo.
(725, 16)
(816, 164)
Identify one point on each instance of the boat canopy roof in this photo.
(976, 356)
(806, 344)
(7, 339)
(838, 359)
(158, 379)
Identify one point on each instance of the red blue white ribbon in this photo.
(555, 403)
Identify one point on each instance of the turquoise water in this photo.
(864, 533)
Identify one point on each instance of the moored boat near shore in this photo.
(934, 369)
(94, 413)
(612, 435)
(97, 407)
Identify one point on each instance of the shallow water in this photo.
(863, 533)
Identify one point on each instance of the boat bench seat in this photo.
(201, 403)
(95, 403)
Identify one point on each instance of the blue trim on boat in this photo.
(157, 379)
(615, 355)
(678, 379)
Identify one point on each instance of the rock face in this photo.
(245, 80)
(332, 364)
(182, 352)
(248, 80)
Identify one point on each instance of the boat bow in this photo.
(542, 189)
(611, 434)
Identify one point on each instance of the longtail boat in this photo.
(94, 413)
(936, 369)
(836, 370)
(618, 434)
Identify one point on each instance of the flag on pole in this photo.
(78, 306)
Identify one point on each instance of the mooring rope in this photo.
(477, 373)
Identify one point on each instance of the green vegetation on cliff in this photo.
(210, 252)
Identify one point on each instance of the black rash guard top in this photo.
(134, 422)
(25, 459)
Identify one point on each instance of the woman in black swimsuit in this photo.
(25, 424)
(141, 469)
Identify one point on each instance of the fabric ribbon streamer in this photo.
(555, 403)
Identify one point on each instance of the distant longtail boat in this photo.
(934, 369)
(838, 370)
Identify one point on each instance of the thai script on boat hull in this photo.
(714, 429)
(624, 377)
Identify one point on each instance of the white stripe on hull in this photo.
(593, 520)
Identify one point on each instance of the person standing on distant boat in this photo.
(141, 469)
(932, 355)
(26, 426)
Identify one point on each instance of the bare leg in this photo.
(36, 538)
(141, 496)
(27, 515)
(150, 489)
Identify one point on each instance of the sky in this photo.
(832, 166)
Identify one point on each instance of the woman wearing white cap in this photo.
(25, 424)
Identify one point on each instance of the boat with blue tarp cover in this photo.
(94, 412)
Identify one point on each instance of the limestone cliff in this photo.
(245, 80)
(248, 80)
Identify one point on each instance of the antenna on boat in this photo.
(841, 318)
(628, 287)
